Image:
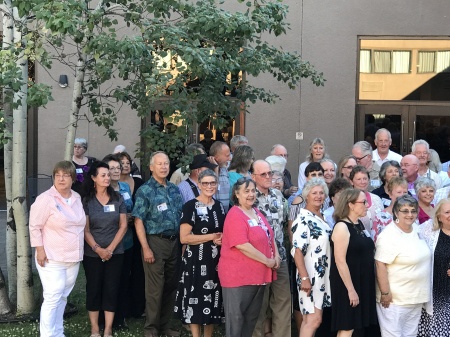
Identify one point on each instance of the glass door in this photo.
(371, 117)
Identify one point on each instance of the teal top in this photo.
(233, 177)
(125, 192)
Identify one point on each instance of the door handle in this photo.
(402, 140)
(414, 131)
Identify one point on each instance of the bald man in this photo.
(288, 189)
(410, 169)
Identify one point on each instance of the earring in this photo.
(397, 220)
(353, 209)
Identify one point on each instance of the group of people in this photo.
(357, 248)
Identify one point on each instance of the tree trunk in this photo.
(25, 299)
(75, 108)
(11, 237)
(5, 304)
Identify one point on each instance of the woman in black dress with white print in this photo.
(199, 295)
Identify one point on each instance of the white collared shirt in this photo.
(391, 156)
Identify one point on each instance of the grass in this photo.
(78, 324)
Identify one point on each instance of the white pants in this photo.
(58, 280)
(399, 320)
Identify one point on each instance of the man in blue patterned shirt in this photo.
(220, 155)
(157, 212)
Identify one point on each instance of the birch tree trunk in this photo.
(11, 237)
(25, 298)
(75, 107)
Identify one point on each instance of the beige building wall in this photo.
(325, 33)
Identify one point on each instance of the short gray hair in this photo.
(310, 184)
(155, 153)
(365, 147)
(383, 130)
(81, 141)
(404, 200)
(238, 140)
(207, 173)
(277, 163)
(384, 168)
(419, 142)
(424, 182)
(329, 161)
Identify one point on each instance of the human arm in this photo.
(251, 252)
(302, 272)
(89, 238)
(341, 238)
(147, 253)
(187, 238)
(383, 283)
(123, 226)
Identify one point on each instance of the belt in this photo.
(167, 237)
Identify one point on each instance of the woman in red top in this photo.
(247, 262)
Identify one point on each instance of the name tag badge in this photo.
(202, 210)
(375, 183)
(218, 187)
(252, 223)
(412, 191)
(386, 202)
(366, 233)
(275, 216)
(162, 207)
(125, 196)
(79, 170)
(58, 207)
(109, 208)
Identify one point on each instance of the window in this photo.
(365, 61)
(381, 61)
(394, 62)
(433, 62)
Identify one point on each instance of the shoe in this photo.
(96, 335)
(171, 333)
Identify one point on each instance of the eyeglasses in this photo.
(115, 168)
(265, 174)
(286, 155)
(365, 202)
(78, 147)
(208, 183)
(359, 159)
(349, 167)
(407, 211)
(64, 176)
(277, 180)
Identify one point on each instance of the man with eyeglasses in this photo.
(189, 187)
(421, 149)
(362, 151)
(289, 188)
(277, 295)
(382, 153)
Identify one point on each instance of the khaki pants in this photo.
(276, 304)
(160, 283)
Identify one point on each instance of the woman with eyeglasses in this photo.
(435, 320)
(345, 166)
(248, 260)
(360, 179)
(106, 224)
(352, 273)
(403, 262)
(81, 161)
(57, 222)
(199, 295)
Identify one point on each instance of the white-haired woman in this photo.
(311, 251)
(425, 189)
(316, 154)
(82, 163)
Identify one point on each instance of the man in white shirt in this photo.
(420, 149)
(382, 153)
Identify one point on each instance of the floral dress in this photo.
(311, 235)
(380, 221)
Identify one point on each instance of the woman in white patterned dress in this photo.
(311, 251)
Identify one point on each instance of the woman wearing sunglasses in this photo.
(248, 259)
(199, 295)
(403, 262)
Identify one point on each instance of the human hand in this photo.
(41, 256)
(353, 297)
(386, 300)
(104, 253)
(217, 239)
(292, 190)
(277, 262)
(270, 263)
(148, 255)
(306, 286)
(212, 160)
(448, 271)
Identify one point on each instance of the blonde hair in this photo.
(437, 224)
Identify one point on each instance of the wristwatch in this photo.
(384, 294)
(305, 278)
